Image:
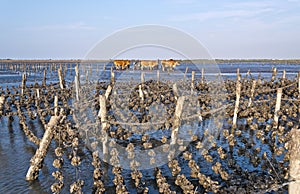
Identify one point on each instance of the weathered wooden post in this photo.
(61, 79)
(274, 74)
(176, 124)
(202, 75)
(2, 100)
(141, 94)
(143, 77)
(294, 165)
(102, 114)
(44, 79)
(112, 76)
(193, 81)
(175, 91)
(252, 93)
(24, 78)
(157, 75)
(77, 83)
(237, 101)
(186, 70)
(108, 91)
(55, 105)
(40, 154)
(284, 74)
(277, 107)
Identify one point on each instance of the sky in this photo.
(69, 29)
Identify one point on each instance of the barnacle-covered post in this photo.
(294, 155)
(193, 80)
(77, 82)
(277, 107)
(23, 83)
(104, 125)
(40, 154)
(252, 92)
(237, 101)
(61, 79)
(2, 100)
(178, 111)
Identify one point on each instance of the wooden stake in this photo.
(61, 79)
(176, 125)
(193, 80)
(24, 78)
(237, 101)
(40, 154)
(294, 164)
(108, 91)
(143, 77)
(277, 106)
(175, 91)
(202, 75)
(157, 74)
(274, 74)
(186, 70)
(284, 74)
(77, 83)
(104, 124)
(112, 76)
(252, 92)
(44, 79)
(55, 105)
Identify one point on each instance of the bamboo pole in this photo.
(277, 106)
(176, 125)
(294, 165)
(237, 101)
(40, 154)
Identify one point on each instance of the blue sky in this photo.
(228, 29)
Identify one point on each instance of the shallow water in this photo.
(16, 150)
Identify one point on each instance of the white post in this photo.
(277, 106)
